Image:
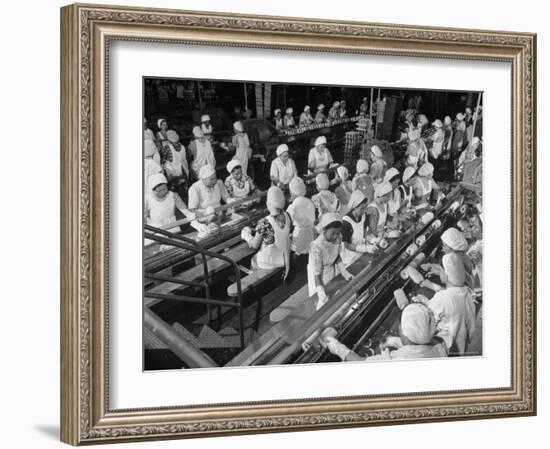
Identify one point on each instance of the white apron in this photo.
(382, 214)
(285, 173)
(204, 156)
(349, 256)
(238, 192)
(302, 213)
(243, 151)
(278, 253)
(321, 160)
(329, 272)
(178, 164)
(426, 191)
(394, 204)
(407, 196)
(162, 212)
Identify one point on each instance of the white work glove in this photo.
(246, 234)
(322, 297)
(366, 248)
(414, 275)
(337, 348)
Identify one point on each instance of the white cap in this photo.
(306, 108)
(342, 171)
(468, 110)
(454, 239)
(282, 148)
(197, 131)
(297, 186)
(438, 124)
(418, 323)
(460, 116)
(375, 149)
(408, 173)
(362, 166)
(356, 198)
(276, 111)
(454, 269)
(289, 110)
(232, 164)
(320, 140)
(336, 104)
(322, 181)
(390, 174)
(238, 126)
(329, 218)
(383, 189)
(475, 140)
(205, 118)
(149, 148)
(275, 197)
(206, 171)
(159, 121)
(447, 120)
(426, 169)
(172, 136)
(156, 179)
(321, 106)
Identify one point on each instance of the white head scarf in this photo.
(375, 149)
(438, 124)
(159, 122)
(297, 187)
(418, 324)
(321, 107)
(408, 173)
(275, 198)
(238, 126)
(232, 164)
(362, 166)
(454, 239)
(276, 111)
(320, 140)
(328, 218)
(282, 148)
(342, 172)
(383, 188)
(156, 180)
(426, 169)
(206, 171)
(356, 198)
(391, 173)
(205, 118)
(289, 110)
(197, 132)
(306, 108)
(322, 181)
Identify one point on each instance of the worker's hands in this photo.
(366, 248)
(414, 275)
(421, 299)
(391, 342)
(337, 348)
(431, 268)
(200, 227)
(322, 297)
(346, 274)
(246, 234)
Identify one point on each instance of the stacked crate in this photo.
(351, 145)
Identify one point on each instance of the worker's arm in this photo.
(274, 173)
(182, 207)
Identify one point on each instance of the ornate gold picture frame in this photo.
(86, 33)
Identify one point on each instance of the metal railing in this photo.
(179, 241)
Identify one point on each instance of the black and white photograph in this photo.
(299, 224)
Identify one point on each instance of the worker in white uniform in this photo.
(151, 160)
(288, 119)
(437, 139)
(453, 307)
(353, 230)
(406, 188)
(334, 111)
(394, 204)
(272, 235)
(238, 184)
(302, 213)
(201, 152)
(417, 339)
(161, 204)
(175, 163)
(306, 118)
(277, 119)
(363, 180)
(320, 116)
(324, 261)
(378, 166)
(162, 125)
(377, 211)
(319, 157)
(325, 201)
(283, 168)
(424, 186)
(205, 196)
(206, 127)
(148, 134)
(243, 152)
(344, 190)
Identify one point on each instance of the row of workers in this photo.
(337, 111)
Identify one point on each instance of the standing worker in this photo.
(201, 152)
(243, 152)
(302, 213)
(319, 157)
(306, 118)
(283, 168)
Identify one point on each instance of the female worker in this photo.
(161, 203)
(277, 119)
(238, 184)
(206, 126)
(162, 125)
(417, 339)
(345, 188)
(272, 235)
(151, 165)
(302, 213)
(424, 186)
(458, 135)
(362, 180)
(353, 229)
(377, 211)
(243, 152)
(324, 261)
(406, 188)
(175, 163)
(320, 116)
(325, 201)
(288, 119)
(334, 111)
(306, 118)
(378, 166)
(438, 139)
(283, 169)
(319, 157)
(394, 204)
(206, 194)
(201, 152)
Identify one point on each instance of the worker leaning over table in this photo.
(378, 166)
(325, 201)
(306, 118)
(238, 184)
(302, 213)
(363, 180)
(377, 210)
(288, 119)
(424, 186)
(353, 229)
(334, 111)
(324, 261)
(319, 157)
(283, 168)
(201, 152)
(417, 339)
(271, 235)
(320, 116)
(205, 195)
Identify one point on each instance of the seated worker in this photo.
(353, 230)
(320, 117)
(324, 261)
(319, 157)
(283, 168)
(453, 307)
(377, 211)
(175, 164)
(288, 119)
(205, 195)
(206, 127)
(424, 186)
(334, 111)
(343, 112)
(272, 235)
(416, 339)
(238, 184)
(406, 188)
(201, 152)
(302, 213)
(394, 204)
(161, 203)
(325, 201)
(378, 166)
(306, 118)
(362, 180)
(243, 152)
(277, 119)
(344, 189)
